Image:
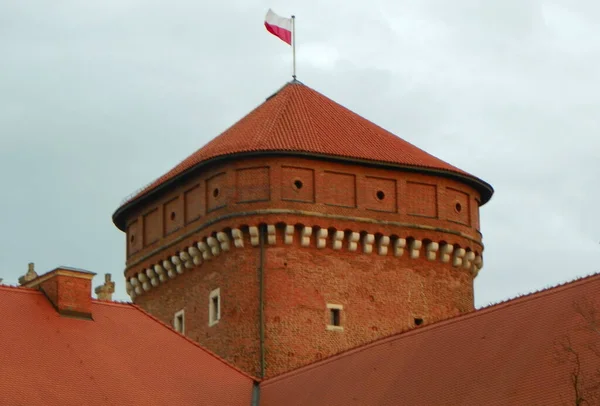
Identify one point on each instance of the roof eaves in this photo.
(485, 188)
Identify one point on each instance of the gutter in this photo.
(261, 299)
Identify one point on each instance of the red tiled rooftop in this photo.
(508, 354)
(123, 357)
(300, 120)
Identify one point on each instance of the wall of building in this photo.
(380, 296)
(389, 247)
(235, 337)
(296, 184)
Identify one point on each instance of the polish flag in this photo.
(279, 26)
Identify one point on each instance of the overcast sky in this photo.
(99, 98)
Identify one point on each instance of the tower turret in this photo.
(301, 231)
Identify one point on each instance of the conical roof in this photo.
(300, 120)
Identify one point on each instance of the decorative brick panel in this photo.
(152, 227)
(253, 185)
(193, 204)
(457, 206)
(380, 194)
(173, 215)
(216, 192)
(421, 199)
(134, 238)
(297, 184)
(339, 189)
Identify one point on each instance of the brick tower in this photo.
(301, 231)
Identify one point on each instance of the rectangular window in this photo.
(179, 321)
(214, 307)
(335, 317)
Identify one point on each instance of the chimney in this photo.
(69, 290)
(105, 292)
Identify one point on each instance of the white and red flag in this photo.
(279, 26)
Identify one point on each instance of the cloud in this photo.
(96, 100)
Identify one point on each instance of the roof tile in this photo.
(121, 357)
(298, 119)
(508, 354)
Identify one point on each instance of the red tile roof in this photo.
(123, 357)
(298, 119)
(508, 354)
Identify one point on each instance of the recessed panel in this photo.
(252, 185)
(380, 194)
(421, 199)
(297, 184)
(216, 192)
(457, 206)
(339, 189)
(152, 227)
(173, 215)
(134, 239)
(193, 204)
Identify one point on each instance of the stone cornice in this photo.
(302, 213)
(221, 242)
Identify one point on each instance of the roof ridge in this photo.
(17, 288)
(142, 191)
(440, 323)
(117, 303)
(133, 305)
(568, 284)
(281, 109)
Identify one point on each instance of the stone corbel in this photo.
(382, 246)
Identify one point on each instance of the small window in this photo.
(214, 307)
(179, 322)
(335, 317)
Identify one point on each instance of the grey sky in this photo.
(96, 100)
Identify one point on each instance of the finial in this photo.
(105, 291)
(30, 275)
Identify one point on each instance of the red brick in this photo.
(381, 295)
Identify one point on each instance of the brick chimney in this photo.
(69, 290)
(105, 292)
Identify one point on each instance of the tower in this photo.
(301, 231)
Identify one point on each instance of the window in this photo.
(179, 322)
(214, 307)
(335, 317)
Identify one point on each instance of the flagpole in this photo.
(294, 46)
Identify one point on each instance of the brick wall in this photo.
(69, 294)
(235, 336)
(380, 294)
(347, 190)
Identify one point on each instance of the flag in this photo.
(279, 26)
